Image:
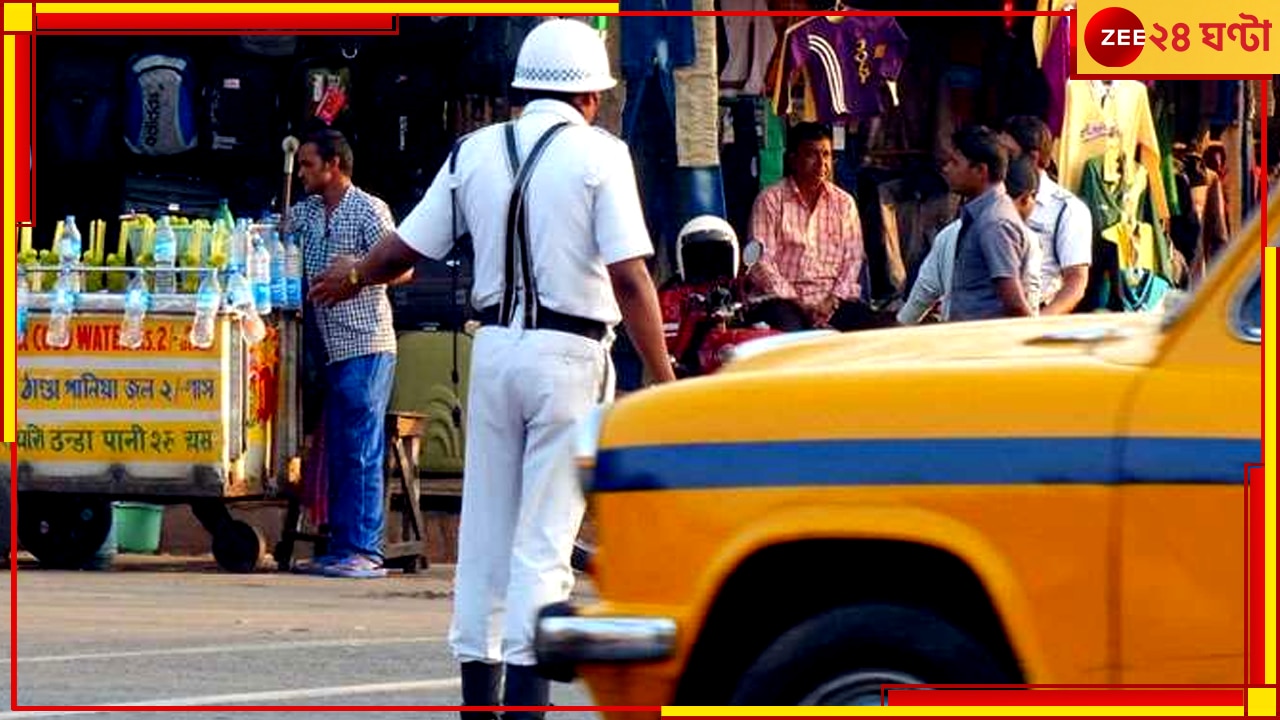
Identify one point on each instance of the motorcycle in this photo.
(705, 307)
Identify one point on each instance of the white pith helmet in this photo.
(563, 56)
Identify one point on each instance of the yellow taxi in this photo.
(1050, 500)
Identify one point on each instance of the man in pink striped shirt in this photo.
(813, 244)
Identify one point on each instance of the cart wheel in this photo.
(283, 554)
(63, 531)
(239, 547)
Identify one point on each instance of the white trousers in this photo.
(522, 505)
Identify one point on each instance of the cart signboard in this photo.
(166, 418)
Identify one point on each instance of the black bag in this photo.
(434, 298)
(78, 119)
(244, 113)
(269, 45)
(402, 139)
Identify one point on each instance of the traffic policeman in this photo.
(558, 264)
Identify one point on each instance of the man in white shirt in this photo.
(554, 273)
(932, 287)
(1060, 219)
(933, 281)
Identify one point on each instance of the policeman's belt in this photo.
(549, 319)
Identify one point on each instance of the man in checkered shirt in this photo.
(339, 218)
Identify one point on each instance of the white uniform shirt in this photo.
(583, 212)
(1073, 242)
(933, 281)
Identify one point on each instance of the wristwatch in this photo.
(353, 277)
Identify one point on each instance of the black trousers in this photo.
(787, 316)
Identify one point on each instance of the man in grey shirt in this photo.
(993, 246)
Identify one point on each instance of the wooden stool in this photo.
(405, 544)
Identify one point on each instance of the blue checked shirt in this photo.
(363, 324)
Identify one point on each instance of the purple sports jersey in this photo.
(848, 61)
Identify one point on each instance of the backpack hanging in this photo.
(243, 110)
(160, 104)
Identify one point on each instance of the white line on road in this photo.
(215, 649)
(260, 697)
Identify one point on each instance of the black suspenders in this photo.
(517, 229)
(517, 249)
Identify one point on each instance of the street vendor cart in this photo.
(166, 422)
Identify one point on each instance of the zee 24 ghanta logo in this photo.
(1115, 37)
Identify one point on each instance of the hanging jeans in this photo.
(355, 444)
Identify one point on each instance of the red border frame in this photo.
(380, 24)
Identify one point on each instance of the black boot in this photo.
(525, 688)
(481, 683)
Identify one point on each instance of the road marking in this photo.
(260, 697)
(215, 649)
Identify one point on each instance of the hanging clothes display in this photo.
(1132, 269)
(739, 157)
(1045, 27)
(1109, 155)
(1055, 63)
(913, 208)
(1111, 119)
(751, 40)
(847, 63)
(1165, 113)
(1200, 229)
(651, 48)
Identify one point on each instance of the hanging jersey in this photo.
(751, 41)
(847, 62)
(1132, 266)
(1113, 123)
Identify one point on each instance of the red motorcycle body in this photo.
(698, 335)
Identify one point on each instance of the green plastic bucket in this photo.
(137, 526)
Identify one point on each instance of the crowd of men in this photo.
(1021, 246)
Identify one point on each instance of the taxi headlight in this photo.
(586, 442)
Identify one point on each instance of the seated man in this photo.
(813, 244)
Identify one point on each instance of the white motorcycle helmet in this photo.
(706, 229)
(563, 56)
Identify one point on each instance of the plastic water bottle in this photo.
(24, 305)
(240, 247)
(240, 298)
(70, 244)
(208, 300)
(279, 286)
(166, 257)
(260, 275)
(293, 273)
(64, 305)
(137, 300)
